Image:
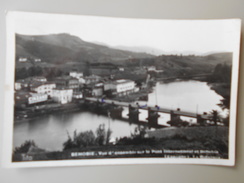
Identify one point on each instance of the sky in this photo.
(170, 36)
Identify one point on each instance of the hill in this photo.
(62, 48)
(67, 51)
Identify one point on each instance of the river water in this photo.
(49, 132)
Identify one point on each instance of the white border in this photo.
(9, 104)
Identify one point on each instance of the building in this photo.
(23, 98)
(93, 90)
(62, 95)
(37, 60)
(92, 79)
(28, 82)
(120, 87)
(97, 90)
(76, 74)
(22, 59)
(77, 95)
(42, 88)
(35, 98)
(122, 69)
(151, 68)
(21, 84)
(67, 82)
(17, 86)
(39, 78)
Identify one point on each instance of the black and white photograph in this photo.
(90, 90)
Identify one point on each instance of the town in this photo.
(37, 93)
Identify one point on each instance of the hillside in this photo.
(67, 51)
(61, 48)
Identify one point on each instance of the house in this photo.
(22, 83)
(76, 74)
(77, 95)
(21, 98)
(92, 79)
(22, 59)
(17, 86)
(67, 82)
(37, 60)
(151, 68)
(97, 90)
(39, 78)
(93, 89)
(43, 88)
(27, 82)
(62, 95)
(122, 69)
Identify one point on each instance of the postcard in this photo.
(90, 90)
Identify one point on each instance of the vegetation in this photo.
(88, 138)
(221, 74)
(49, 73)
(24, 148)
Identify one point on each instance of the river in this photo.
(49, 132)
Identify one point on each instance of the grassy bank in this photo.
(156, 144)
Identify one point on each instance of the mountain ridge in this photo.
(49, 47)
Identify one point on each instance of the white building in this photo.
(76, 74)
(37, 60)
(77, 95)
(40, 79)
(44, 88)
(37, 98)
(23, 59)
(79, 76)
(97, 90)
(122, 69)
(17, 85)
(151, 68)
(62, 96)
(92, 79)
(120, 86)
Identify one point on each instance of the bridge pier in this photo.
(152, 118)
(133, 114)
(201, 120)
(174, 119)
(115, 111)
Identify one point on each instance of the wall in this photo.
(159, 9)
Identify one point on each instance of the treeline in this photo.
(102, 138)
(88, 138)
(221, 74)
(48, 72)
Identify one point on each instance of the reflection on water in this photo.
(51, 131)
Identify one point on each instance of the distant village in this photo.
(67, 88)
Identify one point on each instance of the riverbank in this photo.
(222, 89)
(188, 142)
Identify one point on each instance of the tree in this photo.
(85, 139)
(225, 103)
(101, 134)
(215, 116)
(24, 148)
(109, 132)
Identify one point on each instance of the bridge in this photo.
(112, 106)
